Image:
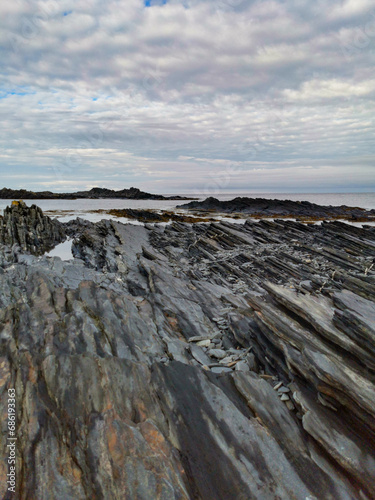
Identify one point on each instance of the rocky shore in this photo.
(210, 361)
(264, 208)
(94, 193)
(30, 229)
(154, 215)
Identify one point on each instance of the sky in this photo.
(188, 95)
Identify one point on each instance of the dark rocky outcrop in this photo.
(261, 207)
(193, 361)
(94, 193)
(154, 215)
(29, 228)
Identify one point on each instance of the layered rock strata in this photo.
(193, 361)
(29, 228)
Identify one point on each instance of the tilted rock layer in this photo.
(205, 361)
(29, 228)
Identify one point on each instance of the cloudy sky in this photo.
(186, 95)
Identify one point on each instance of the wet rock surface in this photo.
(206, 361)
(261, 207)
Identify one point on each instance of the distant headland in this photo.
(94, 193)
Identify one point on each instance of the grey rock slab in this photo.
(276, 417)
(242, 366)
(342, 442)
(319, 361)
(217, 353)
(199, 355)
(356, 318)
(204, 343)
(283, 390)
(199, 338)
(227, 359)
(221, 369)
(319, 313)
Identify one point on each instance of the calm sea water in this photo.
(66, 210)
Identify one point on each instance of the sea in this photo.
(65, 210)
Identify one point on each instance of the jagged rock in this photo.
(97, 247)
(29, 228)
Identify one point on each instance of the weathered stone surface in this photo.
(116, 399)
(29, 228)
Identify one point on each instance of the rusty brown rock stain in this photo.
(155, 439)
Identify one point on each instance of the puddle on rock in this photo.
(62, 250)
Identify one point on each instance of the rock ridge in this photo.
(29, 228)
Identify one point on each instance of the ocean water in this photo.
(66, 210)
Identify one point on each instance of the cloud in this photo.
(170, 95)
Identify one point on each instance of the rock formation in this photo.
(29, 228)
(262, 207)
(193, 361)
(153, 215)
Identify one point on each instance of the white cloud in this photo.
(116, 93)
(330, 89)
